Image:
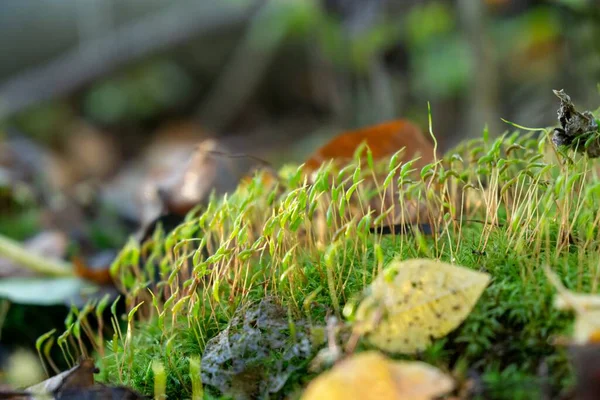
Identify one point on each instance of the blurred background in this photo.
(100, 97)
(287, 71)
(104, 90)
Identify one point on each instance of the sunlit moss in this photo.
(506, 207)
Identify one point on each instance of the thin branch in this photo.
(101, 56)
(248, 64)
(484, 87)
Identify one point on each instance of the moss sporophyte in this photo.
(503, 207)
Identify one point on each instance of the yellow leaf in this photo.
(416, 300)
(372, 376)
(587, 327)
(586, 306)
(587, 302)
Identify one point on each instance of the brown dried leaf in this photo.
(100, 392)
(80, 376)
(384, 140)
(210, 168)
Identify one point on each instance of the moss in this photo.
(150, 344)
(310, 246)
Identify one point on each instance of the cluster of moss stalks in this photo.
(507, 207)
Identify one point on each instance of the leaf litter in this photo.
(415, 301)
(257, 352)
(372, 376)
(77, 383)
(579, 130)
(383, 140)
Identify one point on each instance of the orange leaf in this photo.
(384, 140)
(372, 376)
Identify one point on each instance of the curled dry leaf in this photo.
(412, 302)
(204, 172)
(384, 140)
(74, 384)
(370, 375)
(579, 130)
(132, 191)
(80, 376)
(210, 168)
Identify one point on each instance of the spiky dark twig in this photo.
(579, 130)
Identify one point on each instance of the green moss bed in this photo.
(507, 207)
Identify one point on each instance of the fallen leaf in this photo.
(586, 328)
(384, 140)
(75, 384)
(80, 376)
(134, 189)
(42, 291)
(100, 392)
(208, 169)
(372, 376)
(255, 354)
(415, 301)
(211, 168)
